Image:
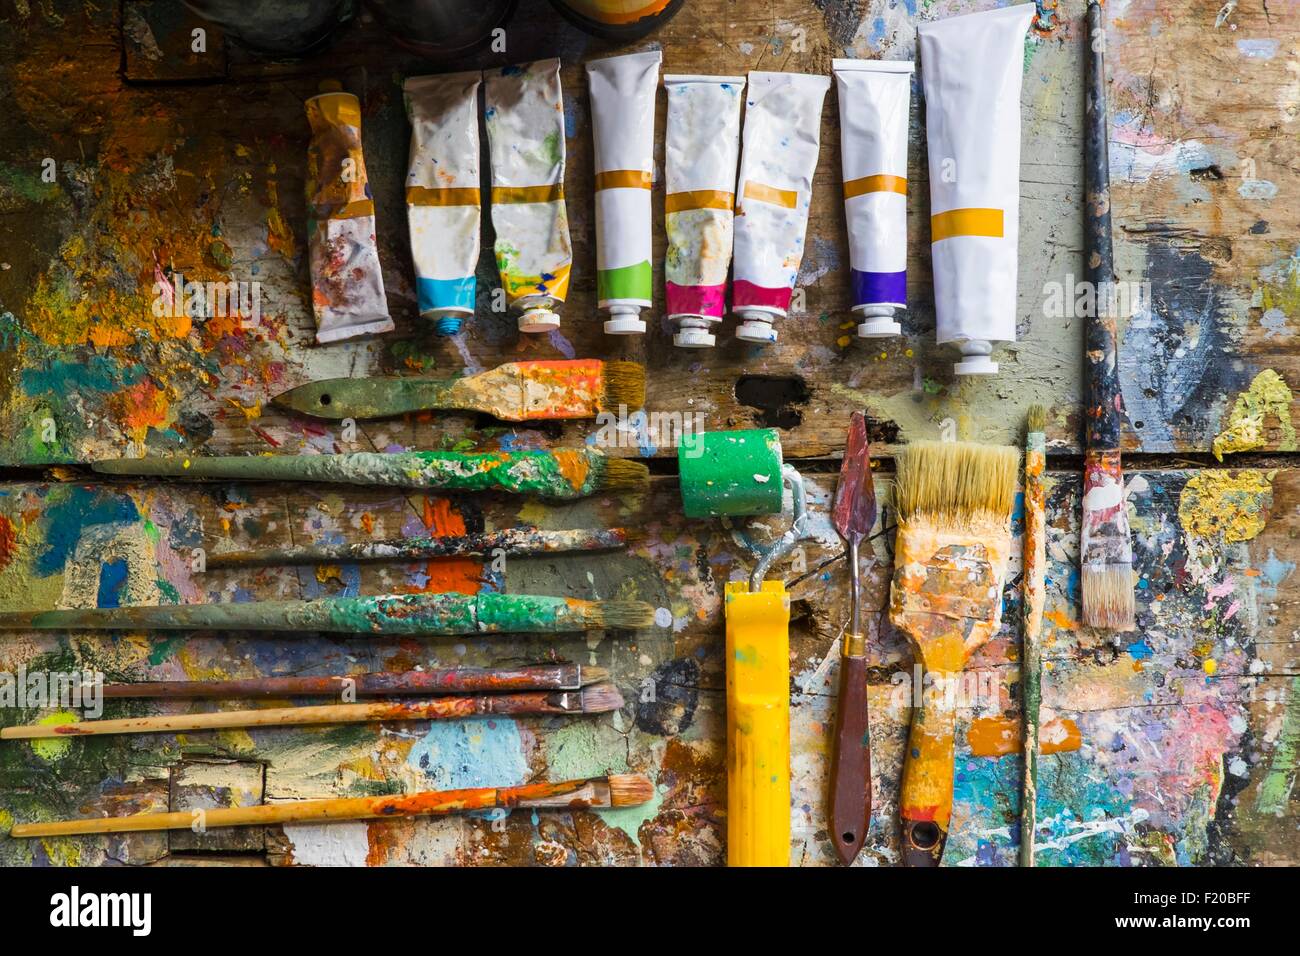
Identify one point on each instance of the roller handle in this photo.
(851, 763)
(926, 806)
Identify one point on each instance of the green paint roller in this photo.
(734, 474)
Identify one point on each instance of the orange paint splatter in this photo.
(8, 541)
(462, 575)
(998, 736)
(141, 407)
(573, 465)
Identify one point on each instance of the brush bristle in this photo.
(629, 789)
(1037, 420)
(601, 698)
(627, 615)
(1108, 597)
(954, 481)
(590, 675)
(624, 384)
(622, 474)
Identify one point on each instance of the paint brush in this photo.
(560, 474)
(620, 790)
(954, 503)
(1035, 597)
(596, 699)
(442, 680)
(418, 614)
(514, 392)
(854, 513)
(512, 542)
(1106, 549)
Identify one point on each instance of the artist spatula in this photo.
(854, 513)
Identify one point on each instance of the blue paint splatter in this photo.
(65, 520)
(111, 578)
(479, 752)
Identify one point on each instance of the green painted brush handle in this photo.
(340, 398)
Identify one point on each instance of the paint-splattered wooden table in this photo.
(129, 159)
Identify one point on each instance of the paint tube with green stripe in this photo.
(525, 125)
(623, 123)
(972, 67)
(347, 287)
(442, 194)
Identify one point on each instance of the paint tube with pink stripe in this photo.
(972, 67)
(783, 119)
(875, 98)
(347, 287)
(701, 150)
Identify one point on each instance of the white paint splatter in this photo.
(343, 843)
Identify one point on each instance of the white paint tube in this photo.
(875, 98)
(971, 67)
(783, 119)
(701, 151)
(443, 206)
(525, 125)
(346, 282)
(623, 124)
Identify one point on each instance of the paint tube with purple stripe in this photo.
(623, 125)
(701, 150)
(875, 97)
(783, 120)
(972, 67)
(347, 288)
(443, 206)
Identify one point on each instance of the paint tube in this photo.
(971, 67)
(442, 194)
(701, 151)
(623, 124)
(346, 283)
(525, 125)
(781, 139)
(875, 97)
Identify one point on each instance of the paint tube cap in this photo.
(689, 338)
(538, 320)
(624, 320)
(756, 330)
(878, 327)
(975, 358)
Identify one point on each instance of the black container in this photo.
(441, 29)
(277, 28)
(596, 18)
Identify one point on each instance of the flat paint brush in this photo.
(560, 474)
(512, 542)
(515, 392)
(596, 699)
(1106, 549)
(954, 503)
(854, 513)
(445, 680)
(621, 790)
(1035, 598)
(416, 614)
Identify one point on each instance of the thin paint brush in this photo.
(446, 680)
(515, 392)
(621, 790)
(1035, 597)
(1106, 549)
(596, 699)
(513, 542)
(560, 474)
(418, 614)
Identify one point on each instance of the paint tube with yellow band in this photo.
(875, 97)
(347, 287)
(783, 120)
(701, 150)
(623, 124)
(525, 125)
(443, 206)
(972, 67)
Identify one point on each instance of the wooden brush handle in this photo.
(926, 806)
(851, 762)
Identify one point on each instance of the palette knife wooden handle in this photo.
(851, 763)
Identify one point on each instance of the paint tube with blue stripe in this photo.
(779, 147)
(623, 123)
(972, 67)
(443, 206)
(875, 98)
(347, 287)
(525, 126)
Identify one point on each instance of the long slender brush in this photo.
(559, 474)
(512, 542)
(447, 680)
(596, 699)
(621, 790)
(1035, 597)
(427, 614)
(515, 392)
(1106, 549)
